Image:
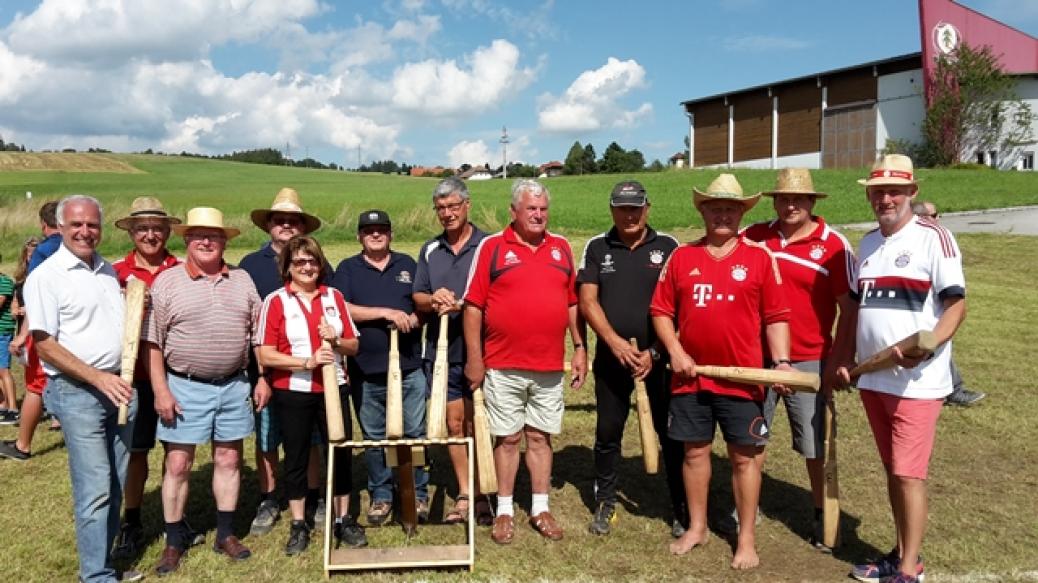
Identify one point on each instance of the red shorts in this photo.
(35, 378)
(904, 430)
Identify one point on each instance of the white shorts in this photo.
(516, 398)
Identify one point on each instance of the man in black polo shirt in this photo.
(443, 269)
(282, 221)
(618, 273)
(377, 286)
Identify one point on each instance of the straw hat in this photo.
(891, 169)
(724, 187)
(794, 181)
(286, 201)
(204, 217)
(145, 207)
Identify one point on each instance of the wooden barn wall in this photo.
(711, 119)
(851, 87)
(800, 119)
(752, 126)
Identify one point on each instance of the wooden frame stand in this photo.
(426, 556)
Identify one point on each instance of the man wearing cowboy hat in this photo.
(817, 265)
(713, 299)
(282, 221)
(909, 278)
(200, 331)
(149, 227)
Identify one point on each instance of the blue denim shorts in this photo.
(210, 412)
(5, 356)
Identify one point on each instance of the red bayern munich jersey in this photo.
(719, 306)
(290, 326)
(815, 271)
(525, 295)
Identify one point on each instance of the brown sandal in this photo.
(460, 512)
(544, 523)
(504, 529)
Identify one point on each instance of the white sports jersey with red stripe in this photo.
(902, 282)
(290, 326)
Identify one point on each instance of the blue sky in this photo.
(418, 81)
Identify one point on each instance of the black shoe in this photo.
(964, 398)
(604, 519)
(192, 536)
(350, 533)
(9, 449)
(298, 538)
(9, 417)
(818, 536)
(129, 541)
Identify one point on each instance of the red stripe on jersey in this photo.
(946, 245)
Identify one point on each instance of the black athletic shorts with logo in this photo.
(692, 417)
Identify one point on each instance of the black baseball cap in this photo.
(373, 217)
(628, 193)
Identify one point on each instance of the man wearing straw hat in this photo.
(817, 265)
(149, 227)
(714, 298)
(282, 221)
(910, 278)
(200, 331)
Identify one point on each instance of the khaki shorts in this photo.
(516, 398)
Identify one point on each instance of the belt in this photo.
(207, 381)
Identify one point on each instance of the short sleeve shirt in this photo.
(720, 306)
(43, 251)
(902, 283)
(7, 293)
(525, 295)
(440, 267)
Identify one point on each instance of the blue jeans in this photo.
(98, 450)
(373, 425)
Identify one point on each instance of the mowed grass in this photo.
(982, 526)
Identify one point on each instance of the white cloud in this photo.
(478, 153)
(534, 22)
(592, 101)
(15, 73)
(756, 43)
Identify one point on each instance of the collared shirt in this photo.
(363, 284)
(127, 267)
(626, 279)
(262, 267)
(719, 306)
(525, 295)
(290, 325)
(815, 270)
(44, 250)
(204, 325)
(80, 306)
(439, 266)
(902, 283)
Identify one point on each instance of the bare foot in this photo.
(745, 558)
(689, 541)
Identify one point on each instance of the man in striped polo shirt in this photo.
(200, 330)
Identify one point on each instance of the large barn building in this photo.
(843, 118)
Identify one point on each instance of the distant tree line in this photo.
(10, 146)
(386, 167)
(269, 156)
(615, 160)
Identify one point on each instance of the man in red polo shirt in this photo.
(713, 299)
(519, 302)
(817, 267)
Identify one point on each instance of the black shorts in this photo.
(692, 417)
(147, 419)
(457, 385)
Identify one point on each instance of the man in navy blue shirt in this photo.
(443, 269)
(283, 220)
(377, 285)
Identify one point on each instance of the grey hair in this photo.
(60, 211)
(449, 186)
(922, 207)
(536, 189)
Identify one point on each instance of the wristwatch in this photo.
(781, 361)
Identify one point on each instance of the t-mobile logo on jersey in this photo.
(865, 288)
(701, 292)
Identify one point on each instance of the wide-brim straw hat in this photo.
(204, 217)
(794, 181)
(724, 187)
(286, 201)
(895, 169)
(145, 207)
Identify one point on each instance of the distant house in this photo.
(419, 171)
(678, 160)
(550, 169)
(476, 173)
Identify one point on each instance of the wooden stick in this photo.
(650, 450)
(332, 400)
(394, 389)
(831, 485)
(484, 444)
(796, 380)
(436, 424)
(917, 345)
(135, 292)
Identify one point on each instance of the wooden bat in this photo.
(484, 444)
(332, 400)
(650, 451)
(436, 425)
(796, 380)
(394, 389)
(831, 485)
(917, 345)
(135, 292)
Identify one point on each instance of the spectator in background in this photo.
(9, 411)
(21, 332)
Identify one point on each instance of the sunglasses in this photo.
(303, 262)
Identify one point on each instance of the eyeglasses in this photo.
(374, 230)
(211, 237)
(145, 229)
(289, 220)
(303, 262)
(448, 208)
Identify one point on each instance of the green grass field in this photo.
(983, 525)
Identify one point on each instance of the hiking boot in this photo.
(298, 538)
(9, 417)
(885, 568)
(192, 536)
(130, 575)
(964, 398)
(128, 542)
(267, 514)
(604, 519)
(350, 533)
(9, 449)
(378, 512)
